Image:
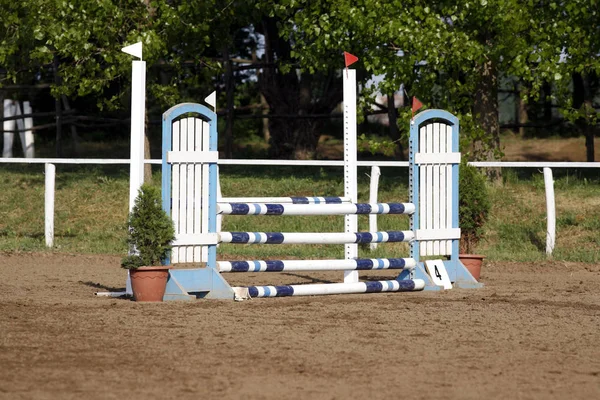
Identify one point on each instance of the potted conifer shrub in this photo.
(150, 235)
(473, 213)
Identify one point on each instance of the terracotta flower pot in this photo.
(473, 263)
(149, 283)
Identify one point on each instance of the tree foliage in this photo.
(473, 206)
(450, 54)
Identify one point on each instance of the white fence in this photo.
(375, 173)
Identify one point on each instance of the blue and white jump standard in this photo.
(190, 196)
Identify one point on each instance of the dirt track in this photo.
(531, 333)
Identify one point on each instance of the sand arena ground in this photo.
(533, 332)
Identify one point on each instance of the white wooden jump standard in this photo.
(190, 168)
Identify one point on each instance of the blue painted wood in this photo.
(185, 284)
(456, 271)
(193, 283)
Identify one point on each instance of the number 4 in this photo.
(438, 273)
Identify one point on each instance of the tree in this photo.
(576, 28)
(292, 95)
(80, 42)
(450, 54)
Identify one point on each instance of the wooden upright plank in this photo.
(197, 185)
(422, 189)
(204, 218)
(190, 189)
(449, 209)
(175, 189)
(429, 189)
(443, 188)
(435, 188)
(183, 188)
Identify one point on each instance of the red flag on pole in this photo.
(416, 105)
(349, 59)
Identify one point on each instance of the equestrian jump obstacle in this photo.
(191, 196)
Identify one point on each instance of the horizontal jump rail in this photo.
(335, 288)
(314, 209)
(315, 237)
(288, 200)
(316, 265)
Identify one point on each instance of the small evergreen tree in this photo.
(151, 230)
(473, 206)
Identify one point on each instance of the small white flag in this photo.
(211, 100)
(134, 50)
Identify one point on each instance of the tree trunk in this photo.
(394, 131)
(582, 100)
(74, 135)
(58, 109)
(230, 104)
(293, 138)
(522, 113)
(265, 121)
(547, 99)
(147, 154)
(589, 107)
(485, 110)
(294, 94)
(589, 144)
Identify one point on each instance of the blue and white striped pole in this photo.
(315, 237)
(314, 209)
(361, 264)
(287, 200)
(336, 288)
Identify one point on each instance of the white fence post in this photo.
(49, 205)
(550, 211)
(373, 190)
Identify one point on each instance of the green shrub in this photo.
(473, 206)
(150, 232)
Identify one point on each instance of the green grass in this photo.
(91, 209)
(517, 227)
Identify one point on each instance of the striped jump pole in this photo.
(314, 209)
(288, 200)
(408, 285)
(315, 237)
(361, 264)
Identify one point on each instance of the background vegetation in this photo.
(91, 211)
(281, 60)
(276, 66)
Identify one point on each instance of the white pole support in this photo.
(550, 211)
(138, 119)
(138, 110)
(350, 164)
(373, 190)
(49, 205)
